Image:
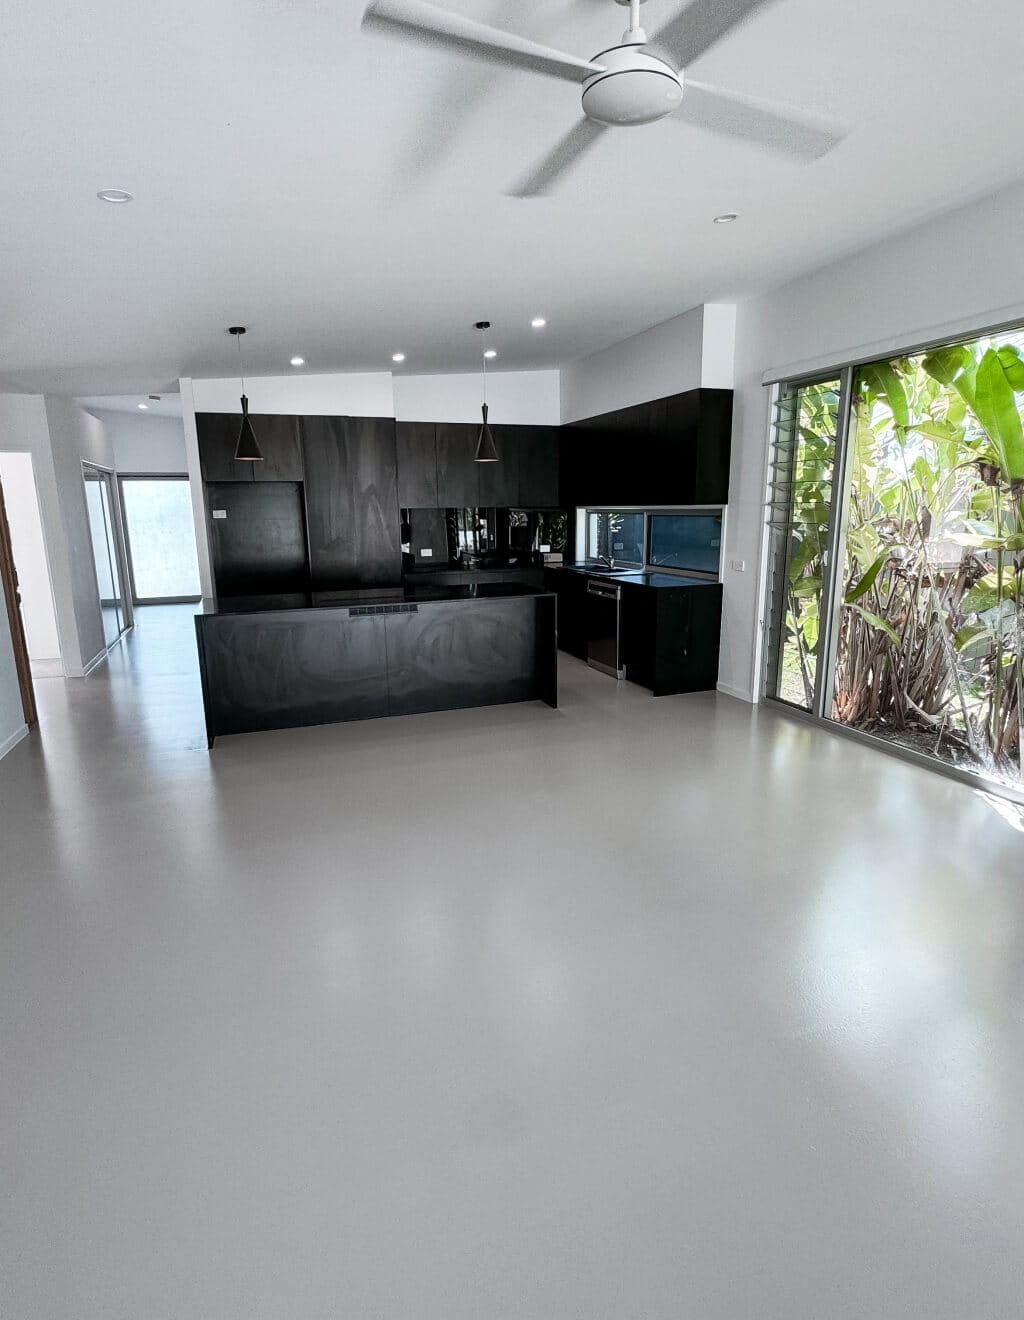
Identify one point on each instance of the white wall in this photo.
(526, 398)
(28, 544)
(352, 394)
(685, 353)
(143, 443)
(953, 275)
(23, 426)
(75, 435)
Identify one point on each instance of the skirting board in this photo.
(13, 740)
(728, 690)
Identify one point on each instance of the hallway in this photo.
(637, 1008)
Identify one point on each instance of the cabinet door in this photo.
(538, 467)
(417, 465)
(351, 502)
(257, 538)
(458, 483)
(218, 436)
(498, 483)
(278, 439)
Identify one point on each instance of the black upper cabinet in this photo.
(278, 439)
(668, 451)
(351, 501)
(498, 483)
(218, 436)
(538, 467)
(458, 482)
(417, 465)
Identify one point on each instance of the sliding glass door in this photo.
(896, 608)
(161, 538)
(106, 551)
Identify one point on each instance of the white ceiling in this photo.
(342, 194)
(168, 405)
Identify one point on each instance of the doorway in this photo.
(100, 501)
(12, 600)
(160, 538)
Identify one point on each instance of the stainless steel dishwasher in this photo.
(604, 616)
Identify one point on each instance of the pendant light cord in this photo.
(241, 373)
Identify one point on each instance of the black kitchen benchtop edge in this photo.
(637, 578)
(410, 594)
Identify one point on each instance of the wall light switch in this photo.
(738, 565)
(426, 554)
(218, 513)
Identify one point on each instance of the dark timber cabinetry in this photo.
(670, 634)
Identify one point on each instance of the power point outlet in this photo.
(738, 565)
(426, 554)
(218, 513)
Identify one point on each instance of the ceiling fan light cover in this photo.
(486, 449)
(247, 450)
(634, 87)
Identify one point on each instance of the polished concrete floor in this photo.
(636, 1010)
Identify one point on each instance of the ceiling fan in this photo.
(630, 83)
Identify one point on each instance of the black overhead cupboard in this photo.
(321, 511)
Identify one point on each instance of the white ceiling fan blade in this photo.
(776, 127)
(416, 19)
(560, 159)
(700, 25)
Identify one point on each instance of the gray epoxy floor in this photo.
(637, 1010)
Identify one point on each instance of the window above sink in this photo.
(684, 541)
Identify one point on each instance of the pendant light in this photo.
(486, 450)
(247, 449)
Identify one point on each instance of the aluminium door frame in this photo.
(835, 541)
(117, 530)
(122, 477)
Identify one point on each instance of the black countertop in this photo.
(637, 578)
(412, 593)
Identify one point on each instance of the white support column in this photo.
(195, 481)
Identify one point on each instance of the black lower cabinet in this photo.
(279, 669)
(570, 590)
(261, 671)
(670, 637)
(447, 657)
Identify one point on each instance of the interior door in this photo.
(12, 599)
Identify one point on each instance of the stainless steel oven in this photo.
(604, 614)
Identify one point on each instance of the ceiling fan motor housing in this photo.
(633, 87)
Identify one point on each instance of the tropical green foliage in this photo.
(931, 641)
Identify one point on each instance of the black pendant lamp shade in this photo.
(247, 450)
(486, 450)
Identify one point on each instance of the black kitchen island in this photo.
(278, 664)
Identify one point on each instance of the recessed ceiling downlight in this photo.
(726, 218)
(115, 195)
(144, 406)
(539, 322)
(490, 353)
(397, 357)
(298, 361)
